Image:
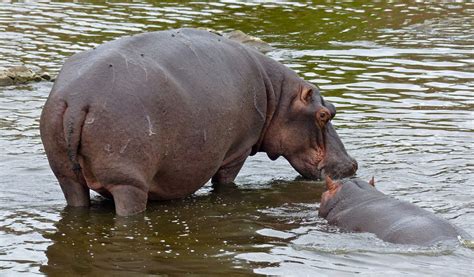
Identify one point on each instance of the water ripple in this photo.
(401, 76)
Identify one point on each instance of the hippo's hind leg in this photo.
(75, 191)
(72, 182)
(128, 189)
(129, 199)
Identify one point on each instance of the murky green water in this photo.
(402, 77)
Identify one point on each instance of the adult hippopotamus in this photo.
(356, 205)
(156, 115)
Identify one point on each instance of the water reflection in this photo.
(209, 229)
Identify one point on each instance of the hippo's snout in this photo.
(355, 166)
(336, 163)
(340, 169)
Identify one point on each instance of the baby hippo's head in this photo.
(348, 189)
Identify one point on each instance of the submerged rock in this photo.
(21, 75)
(249, 40)
(243, 38)
(4, 79)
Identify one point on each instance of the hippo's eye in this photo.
(329, 106)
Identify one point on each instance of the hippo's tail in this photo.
(73, 121)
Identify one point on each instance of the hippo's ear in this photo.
(330, 184)
(306, 94)
(372, 181)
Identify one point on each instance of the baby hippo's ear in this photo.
(372, 181)
(330, 184)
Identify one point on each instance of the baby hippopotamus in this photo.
(356, 205)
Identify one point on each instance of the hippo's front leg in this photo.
(229, 170)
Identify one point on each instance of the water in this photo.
(401, 76)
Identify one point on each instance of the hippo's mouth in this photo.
(325, 157)
(319, 163)
(320, 171)
(319, 156)
(331, 156)
(310, 166)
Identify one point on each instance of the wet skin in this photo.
(156, 115)
(356, 205)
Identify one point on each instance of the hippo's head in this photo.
(336, 191)
(301, 131)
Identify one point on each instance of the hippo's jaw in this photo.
(336, 162)
(308, 163)
(324, 208)
(326, 156)
(309, 160)
(329, 200)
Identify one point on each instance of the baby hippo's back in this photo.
(357, 206)
(397, 221)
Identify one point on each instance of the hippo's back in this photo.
(423, 228)
(395, 221)
(185, 65)
(177, 85)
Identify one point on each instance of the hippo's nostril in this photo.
(355, 166)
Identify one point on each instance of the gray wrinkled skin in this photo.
(357, 206)
(156, 115)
